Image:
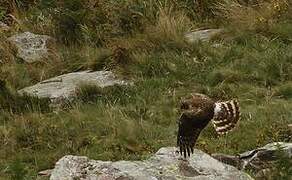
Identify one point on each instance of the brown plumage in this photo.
(196, 112)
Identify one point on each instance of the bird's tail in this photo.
(226, 116)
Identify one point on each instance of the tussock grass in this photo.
(14, 103)
(259, 16)
(170, 27)
(6, 50)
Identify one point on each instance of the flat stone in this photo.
(166, 164)
(257, 159)
(31, 47)
(202, 35)
(64, 87)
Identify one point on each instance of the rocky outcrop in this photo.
(64, 87)
(31, 47)
(166, 164)
(258, 159)
(202, 35)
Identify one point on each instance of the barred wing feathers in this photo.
(226, 116)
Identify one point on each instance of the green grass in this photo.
(133, 122)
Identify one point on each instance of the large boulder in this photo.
(32, 47)
(166, 164)
(258, 159)
(202, 35)
(64, 87)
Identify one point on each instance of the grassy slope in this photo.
(133, 122)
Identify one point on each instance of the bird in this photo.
(196, 111)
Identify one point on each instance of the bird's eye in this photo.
(184, 106)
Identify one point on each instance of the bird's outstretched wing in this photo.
(187, 135)
(226, 116)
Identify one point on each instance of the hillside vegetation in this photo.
(143, 41)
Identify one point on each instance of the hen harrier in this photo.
(196, 112)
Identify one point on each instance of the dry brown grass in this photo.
(170, 26)
(252, 17)
(6, 51)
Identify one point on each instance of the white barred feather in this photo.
(226, 116)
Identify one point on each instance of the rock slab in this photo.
(257, 159)
(31, 47)
(166, 164)
(64, 87)
(202, 35)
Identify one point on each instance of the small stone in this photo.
(202, 35)
(290, 126)
(32, 47)
(45, 173)
(4, 27)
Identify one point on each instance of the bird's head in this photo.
(188, 110)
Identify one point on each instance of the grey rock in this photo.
(4, 27)
(257, 159)
(64, 87)
(202, 35)
(166, 164)
(31, 47)
(290, 127)
(45, 173)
